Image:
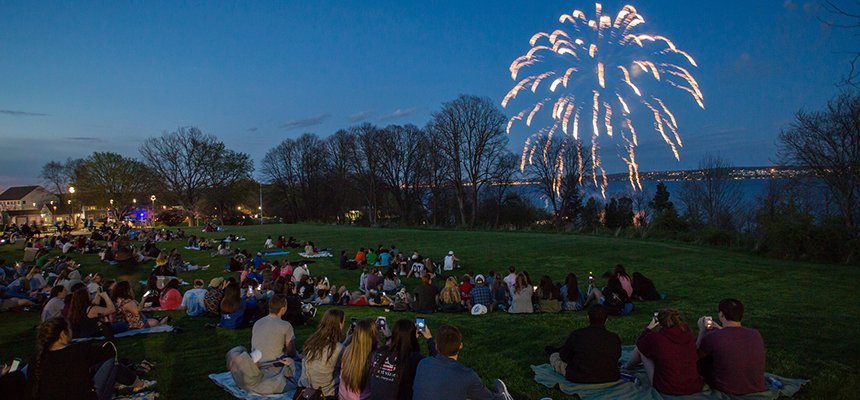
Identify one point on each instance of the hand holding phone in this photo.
(709, 322)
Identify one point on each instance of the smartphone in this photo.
(655, 317)
(15, 364)
(419, 324)
(590, 277)
(709, 322)
(380, 323)
(353, 321)
(250, 291)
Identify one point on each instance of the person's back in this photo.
(673, 351)
(192, 300)
(590, 354)
(271, 335)
(738, 360)
(734, 355)
(425, 296)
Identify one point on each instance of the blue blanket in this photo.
(132, 332)
(275, 252)
(642, 390)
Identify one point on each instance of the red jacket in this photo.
(674, 353)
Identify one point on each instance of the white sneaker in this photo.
(502, 389)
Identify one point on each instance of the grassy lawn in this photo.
(808, 313)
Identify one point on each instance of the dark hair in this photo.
(122, 290)
(670, 318)
(403, 343)
(276, 303)
(449, 340)
(48, 333)
(732, 309)
(172, 283)
(231, 301)
(597, 315)
(620, 271)
(56, 290)
(548, 289)
(511, 269)
(80, 303)
(572, 287)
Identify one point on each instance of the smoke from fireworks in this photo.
(595, 72)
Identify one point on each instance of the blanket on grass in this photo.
(275, 252)
(132, 332)
(642, 390)
(319, 254)
(225, 381)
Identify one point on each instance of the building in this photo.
(27, 204)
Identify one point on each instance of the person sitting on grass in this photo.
(61, 369)
(644, 289)
(360, 257)
(590, 354)
(235, 306)
(501, 294)
(85, 318)
(732, 357)
(444, 377)
(465, 287)
(425, 296)
(391, 283)
(128, 310)
(170, 298)
(613, 296)
(371, 257)
(213, 297)
(668, 355)
(272, 336)
(54, 307)
(321, 354)
(449, 297)
(481, 294)
(521, 296)
(621, 273)
(392, 367)
(571, 295)
(193, 301)
(354, 371)
(549, 295)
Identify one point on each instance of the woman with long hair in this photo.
(572, 298)
(151, 293)
(521, 296)
(623, 278)
(320, 354)
(86, 319)
(669, 354)
(128, 310)
(234, 306)
(549, 295)
(501, 293)
(61, 370)
(449, 297)
(355, 363)
(392, 368)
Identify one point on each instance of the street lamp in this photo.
(72, 189)
(75, 215)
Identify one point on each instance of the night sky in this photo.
(102, 76)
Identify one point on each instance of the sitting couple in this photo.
(728, 355)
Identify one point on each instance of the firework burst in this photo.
(592, 76)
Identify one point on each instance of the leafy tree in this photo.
(591, 214)
(103, 177)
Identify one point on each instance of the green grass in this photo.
(808, 313)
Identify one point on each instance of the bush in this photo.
(170, 217)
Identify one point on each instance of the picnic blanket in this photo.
(191, 248)
(642, 390)
(132, 332)
(275, 252)
(225, 381)
(319, 254)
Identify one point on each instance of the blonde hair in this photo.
(326, 337)
(450, 293)
(355, 365)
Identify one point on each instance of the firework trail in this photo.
(599, 68)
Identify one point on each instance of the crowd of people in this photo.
(365, 358)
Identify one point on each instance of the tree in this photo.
(401, 163)
(504, 175)
(472, 138)
(828, 144)
(619, 213)
(339, 152)
(105, 177)
(367, 164)
(57, 176)
(660, 202)
(851, 20)
(713, 197)
(189, 164)
(591, 214)
(665, 215)
(297, 168)
(558, 169)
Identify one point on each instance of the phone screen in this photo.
(419, 324)
(353, 321)
(380, 323)
(15, 364)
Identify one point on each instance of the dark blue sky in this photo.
(75, 78)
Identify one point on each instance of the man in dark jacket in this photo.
(590, 354)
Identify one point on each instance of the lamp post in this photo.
(153, 209)
(74, 215)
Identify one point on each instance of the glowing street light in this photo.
(72, 189)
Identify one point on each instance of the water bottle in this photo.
(775, 383)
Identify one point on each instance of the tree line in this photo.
(457, 170)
